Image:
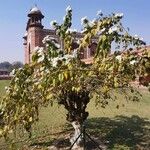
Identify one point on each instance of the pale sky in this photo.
(13, 18)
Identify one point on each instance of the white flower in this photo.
(57, 45)
(47, 71)
(47, 39)
(83, 31)
(36, 48)
(53, 41)
(102, 30)
(67, 56)
(47, 45)
(42, 69)
(83, 20)
(40, 59)
(113, 29)
(6, 87)
(133, 62)
(99, 13)
(119, 58)
(141, 39)
(74, 53)
(16, 79)
(13, 72)
(78, 41)
(64, 18)
(39, 50)
(68, 8)
(94, 20)
(91, 24)
(53, 23)
(20, 69)
(136, 36)
(118, 15)
(55, 61)
(71, 30)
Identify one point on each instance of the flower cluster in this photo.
(53, 23)
(68, 9)
(118, 15)
(113, 29)
(84, 20)
(99, 13)
(40, 53)
(133, 62)
(86, 23)
(12, 73)
(71, 30)
(119, 58)
(48, 39)
(65, 58)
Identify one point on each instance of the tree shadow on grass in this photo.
(132, 132)
(119, 133)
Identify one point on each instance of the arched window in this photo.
(82, 51)
(74, 45)
(29, 53)
(32, 19)
(93, 47)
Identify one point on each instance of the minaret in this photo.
(32, 37)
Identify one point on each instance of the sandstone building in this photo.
(35, 32)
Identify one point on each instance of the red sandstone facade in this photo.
(35, 33)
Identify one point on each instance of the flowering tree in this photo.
(57, 73)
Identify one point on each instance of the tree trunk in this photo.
(78, 130)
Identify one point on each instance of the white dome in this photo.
(35, 9)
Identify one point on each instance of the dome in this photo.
(35, 11)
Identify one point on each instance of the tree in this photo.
(8, 66)
(17, 65)
(5, 65)
(60, 75)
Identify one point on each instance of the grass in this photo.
(126, 128)
(3, 83)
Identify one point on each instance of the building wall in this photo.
(35, 36)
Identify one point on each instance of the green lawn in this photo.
(126, 128)
(3, 83)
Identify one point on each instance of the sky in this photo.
(13, 19)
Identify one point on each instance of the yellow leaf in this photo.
(30, 119)
(1, 132)
(66, 75)
(54, 82)
(39, 86)
(61, 77)
(49, 96)
(78, 89)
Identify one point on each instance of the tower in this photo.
(35, 33)
(33, 36)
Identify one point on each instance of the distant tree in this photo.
(17, 64)
(5, 65)
(9, 67)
